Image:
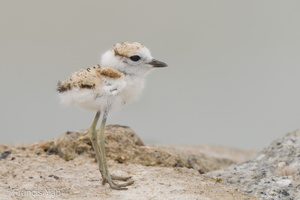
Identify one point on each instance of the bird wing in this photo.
(100, 79)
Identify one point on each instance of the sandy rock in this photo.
(65, 168)
(26, 175)
(123, 145)
(273, 174)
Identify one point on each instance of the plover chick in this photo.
(119, 78)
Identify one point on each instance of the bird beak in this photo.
(157, 63)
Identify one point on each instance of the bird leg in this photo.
(107, 177)
(93, 135)
(98, 142)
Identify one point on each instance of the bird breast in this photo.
(133, 89)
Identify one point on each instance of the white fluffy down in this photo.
(85, 98)
(113, 95)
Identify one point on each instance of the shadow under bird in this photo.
(119, 78)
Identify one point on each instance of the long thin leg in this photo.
(93, 135)
(102, 158)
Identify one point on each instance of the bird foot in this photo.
(120, 178)
(113, 185)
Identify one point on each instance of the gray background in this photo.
(233, 77)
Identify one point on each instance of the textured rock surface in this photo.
(29, 176)
(273, 174)
(65, 168)
(124, 146)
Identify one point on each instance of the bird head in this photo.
(130, 58)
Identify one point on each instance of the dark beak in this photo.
(156, 63)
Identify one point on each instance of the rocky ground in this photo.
(274, 174)
(65, 168)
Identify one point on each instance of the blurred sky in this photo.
(233, 75)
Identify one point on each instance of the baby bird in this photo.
(119, 78)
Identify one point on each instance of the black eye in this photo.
(135, 58)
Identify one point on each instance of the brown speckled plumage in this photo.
(110, 73)
(127, 49)
(89, 78)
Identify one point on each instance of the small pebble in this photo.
(5, 154)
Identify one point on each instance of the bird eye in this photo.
(135, 58)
